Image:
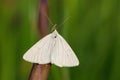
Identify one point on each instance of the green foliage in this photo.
(92, 30)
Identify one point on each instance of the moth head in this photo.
(54, 28)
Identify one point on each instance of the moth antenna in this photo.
(64, 21)
(53, 27)
(50, 21)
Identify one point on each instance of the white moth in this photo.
(52, 49)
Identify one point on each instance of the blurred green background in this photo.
(93, 31)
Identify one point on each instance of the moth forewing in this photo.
(40, 52)
(63, 55)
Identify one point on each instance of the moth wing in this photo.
(63, 55)
(40, 52)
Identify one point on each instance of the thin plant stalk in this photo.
(41, 71)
